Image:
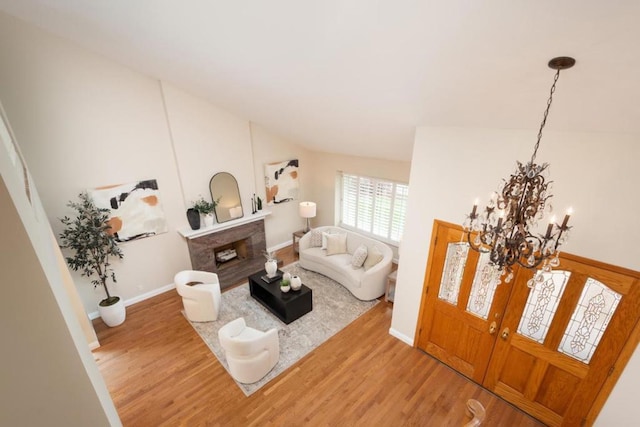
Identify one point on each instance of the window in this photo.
(375, 206)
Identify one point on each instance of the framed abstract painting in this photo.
(281, 181)
(136, 209)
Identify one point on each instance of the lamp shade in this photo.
(307, 209)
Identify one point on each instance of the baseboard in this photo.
(136, 299)
(402, 337)
(279, 246)
(93, 345)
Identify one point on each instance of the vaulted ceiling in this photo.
(357, 76)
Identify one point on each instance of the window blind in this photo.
(374, 206)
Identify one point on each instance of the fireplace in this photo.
(233, 253)
(230, 254)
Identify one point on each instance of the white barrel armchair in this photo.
(202, 299)
(250, 353)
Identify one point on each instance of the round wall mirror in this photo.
(224, 190)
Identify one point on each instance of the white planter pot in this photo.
(114, 314)
(271, 267)
(285, 289)
(208, 220)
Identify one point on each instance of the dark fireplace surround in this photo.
(248, 240)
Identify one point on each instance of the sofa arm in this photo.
(379, 272)
(305, 241)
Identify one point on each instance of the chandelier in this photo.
(506, 227)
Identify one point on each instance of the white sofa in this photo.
(364, 284)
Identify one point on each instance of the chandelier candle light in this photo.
(507, 234)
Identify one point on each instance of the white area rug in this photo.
(333, 308)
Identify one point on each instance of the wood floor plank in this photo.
(160, 373)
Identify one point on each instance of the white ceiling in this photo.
(357, 76)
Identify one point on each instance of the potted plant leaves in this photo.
(93, 246)
(206, 209)
(285, 285)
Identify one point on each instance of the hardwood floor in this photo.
(159, 372)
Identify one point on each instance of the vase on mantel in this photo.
(271, 267)
(193, 216)
(208, 220)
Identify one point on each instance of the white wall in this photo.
(596, 174)
(48, 376)
(270, 148)
(85, 122)
(325, 168)
(208, 140)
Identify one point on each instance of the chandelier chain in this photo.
(544, 118)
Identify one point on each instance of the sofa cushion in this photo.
(359, 256)
(336, 244)
(315, 240)
(327, 233)
(374, 257)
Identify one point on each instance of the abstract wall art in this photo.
(281, 181)
(136, 209)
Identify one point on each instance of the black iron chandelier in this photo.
(505, 229)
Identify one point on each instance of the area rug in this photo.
(333, 308)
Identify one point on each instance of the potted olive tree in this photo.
(87, 235)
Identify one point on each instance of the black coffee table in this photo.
(287, 306)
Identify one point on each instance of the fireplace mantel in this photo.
(243, 237)
(192, 234)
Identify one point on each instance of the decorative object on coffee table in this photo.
(271, 266)
(285, 285)
(296, 283)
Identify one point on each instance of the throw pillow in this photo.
(316, 238)
(324, 238)
(374, 257)
(359, 256)
(328, 233)
(336, 244)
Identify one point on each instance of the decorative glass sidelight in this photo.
(453, 270)
(542, 304)
(483, 289)
(589, 320)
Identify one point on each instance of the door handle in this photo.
(505, 333)
(493, 327)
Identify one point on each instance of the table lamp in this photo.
(307, 210)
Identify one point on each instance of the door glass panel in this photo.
(453, 270)
(541, 305)
(484, 286)
(595, 308)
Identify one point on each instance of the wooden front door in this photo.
(462, 311)
(549, 350)
(559, 341)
